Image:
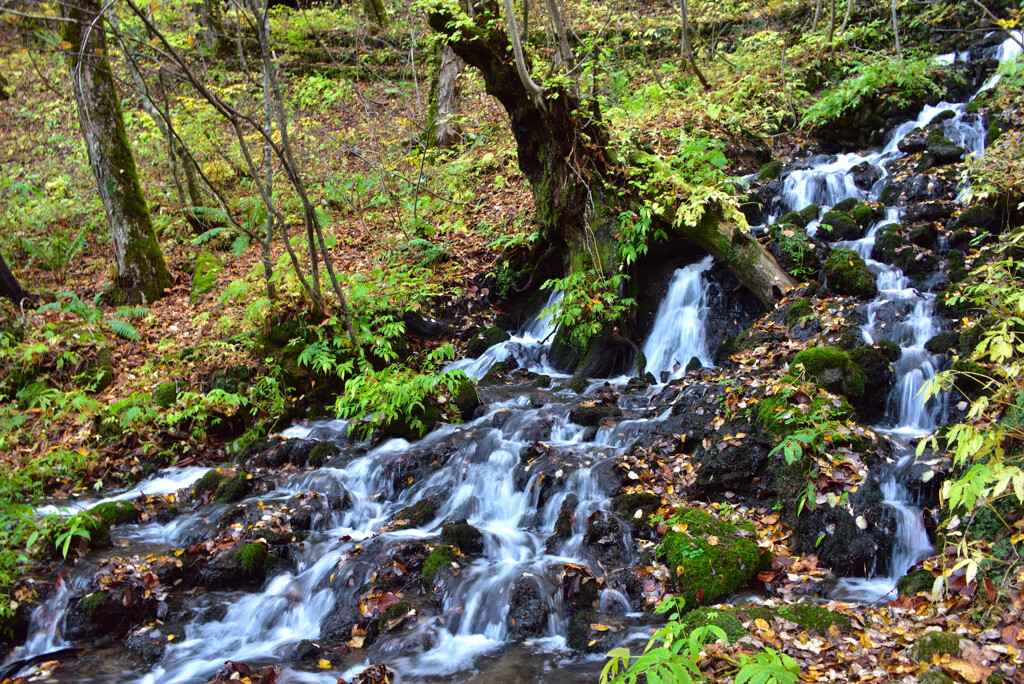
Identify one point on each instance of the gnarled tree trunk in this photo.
(577, 189)
(376, 13)
(141, 271)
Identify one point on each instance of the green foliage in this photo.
(901, 80)
(589, 304)
(55, 250)
(767, 667)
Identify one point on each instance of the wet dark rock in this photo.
(936, 210)
(466, 398)
(942, 151)
(463, 536)
(528, 610)
(233, 488)
(916, 188)
(150, 641)
(926, 236)
(636, 508)
(579, 588)
(321, 453)
(976, 216)
(394, 616)
(276, 452)
(407, 467)
(836, 225)
(865, 175)
(605, 538)
(943, 342)
(893, 247)
(544, 474)
(563, 524)
(111, 611)
(878, 380)
(585, 638)
(242, 565)
(413, 424)
(399, 565)
(592, 416)
(483, 339)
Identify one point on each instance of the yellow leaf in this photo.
(65, 45)
(712, 540)
(762, 624)
(598, 627)
(170, 637)
(324, 664)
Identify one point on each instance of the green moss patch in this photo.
(233, 488)
(439, 558)
(116, 512)
(710, 558)
(831, 369)
(252, 558)
(321, 453)
(847, 274)
(725, 620)
(204, 274)
(207, 483)
(933, 644)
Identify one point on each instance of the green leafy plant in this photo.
(767, 667)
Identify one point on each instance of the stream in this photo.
(467, 638)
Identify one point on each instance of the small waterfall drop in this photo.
(678, 332)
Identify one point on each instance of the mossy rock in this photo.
(440, 558)
(943, 342)
(794, 248)
(233, 488)
(878, 373)
(798, 310)
(936, 675)
(770, 171)
(725, 620)
(93, 602)
(628, 505)
(943, 151)
(812, 212)
(956, 266)
(972, 337)
(414, 424)
(862, 214)
(847, 274)
(814, 617)
(321, 453)
(117, 512)
(888, 242)
(711, 558)
(846, 204)
(793, 218)
(207, 483)
(204, 274)
(418, 514)
(466, 398)
(771, 409)
(890, 349)
(836, 225)
(832, 369)
(463, 536)
(945, 306)
(252, 558)
(933, 644)
(484, 339)
(393, 613)
(916, 582)
(970, 377)
(165, 395)
(496, 373)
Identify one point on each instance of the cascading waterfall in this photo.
(678, 332)
(828, 181)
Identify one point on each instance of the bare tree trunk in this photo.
(568, 58)
(686, 48)
(268, 162)
(817, 15)
(9, 285)
(141, 272)
(445, 96)
(896, 31)
(846, 19)
(376, 13)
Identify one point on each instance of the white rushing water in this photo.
(168, 482)
(678, 332)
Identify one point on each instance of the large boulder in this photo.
(847, 274)
(831, 369)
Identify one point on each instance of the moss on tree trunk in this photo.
(141, 272)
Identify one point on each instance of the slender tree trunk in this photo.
(817, 15)
(268, 161)
(846, 19)
(686, 48)
(3, 88)
(577, 189)
(376, 13)
(445, 96)
(831, 21)
(141, 272)
(896, 31)
(9, 285)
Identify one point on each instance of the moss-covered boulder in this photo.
(863, 214)
(812, 212)
(799, 310)
(942, 151)
(831, 369)
(773, 414)
(847, 274)
(117, 512)
(943, 342)
(466, 398)
(463, 536)
(933, 644)
(725, 620)
(793, 218)
(770, 171)
(165, 395)
(710, 558)
(440, 558)
(418, 514)
(893, 247)
(207, 483)
(976, 216)
(233, 488)
(414, 424)
(890, 350)
(321, 453)
(915, 582)
(846, 204)
(252, 558)
(204, 274)
(392, 617)
(636, 508)
(484, 339)
(839, 225)
(809, 616)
